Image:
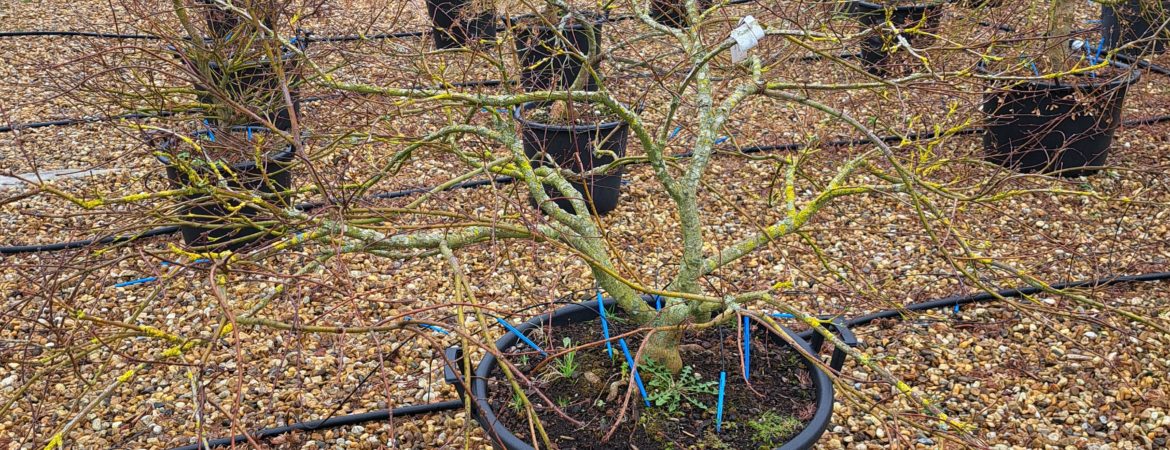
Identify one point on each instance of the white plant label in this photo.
(746, 36)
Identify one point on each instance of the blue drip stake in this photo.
(604, 324)
(719, 408)
(747, 349)
(634, 371)
(134, 282)
(521, 336)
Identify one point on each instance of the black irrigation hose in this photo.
(332, 422)
(4, 34)
(80, 120)
(1143, 64)
(86, 243)
(985, 297)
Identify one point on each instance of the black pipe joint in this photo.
(838, 327)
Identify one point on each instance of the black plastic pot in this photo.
(257, 86)
(673, 13)
(572, 148)
(502, 438)
(552, 61)
(216, 227)
(1130, 21)
(453, 27)
(874, 56)
(1047, 127)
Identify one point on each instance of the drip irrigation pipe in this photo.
(5, 34)
(86, 243)
(80, 120)
(502, 180)
(332, 422)
(951, 302)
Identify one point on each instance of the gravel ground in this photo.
(1021, 375)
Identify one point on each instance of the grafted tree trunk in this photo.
(1061, 16)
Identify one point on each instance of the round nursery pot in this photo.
(215, 228)
(874, 56)
(571, 146)
(256, 85)
(453, 27)
(1047, 127)
(552, 61)
(1135, 20)
(588, 311)
(673, 13)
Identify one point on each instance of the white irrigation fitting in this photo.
(746, 36)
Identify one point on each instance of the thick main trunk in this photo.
(662, 348)
(1061, 16)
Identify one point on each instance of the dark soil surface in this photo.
(569, 114)
(781, 386)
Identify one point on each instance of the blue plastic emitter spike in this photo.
(747, 349)
(134, 282)
(521, 336)
(719, 407)
(634, 371)
(604, 324)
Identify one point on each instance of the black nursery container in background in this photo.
(1043, 126)
(572, 148)
(1136, 20)
(222, 22)
(550, 60)
(217, 223)
(875, 54)
(454, 24)
(673, 13)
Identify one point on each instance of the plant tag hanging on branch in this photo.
(746, 36)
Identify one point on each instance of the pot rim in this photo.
(284, 155)
(925, 5)
(483, 412)
(519, 116)
(1083, 82)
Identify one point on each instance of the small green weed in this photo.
(668, 390)
(567, 365)
(517, 403)
(771, 429)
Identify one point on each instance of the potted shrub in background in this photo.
(882, 52)
(1062, 120)
(459, 23)
(1142, 23)
(241, 75)
(554, 46)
